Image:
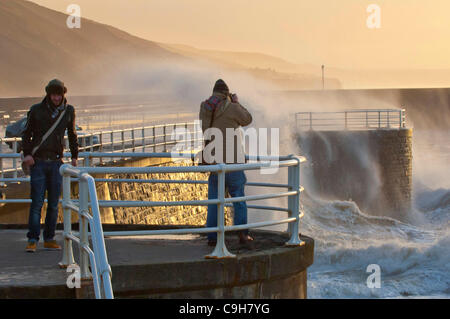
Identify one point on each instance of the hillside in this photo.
(36, 45)
(279, 71)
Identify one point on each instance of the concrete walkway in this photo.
(23, 275)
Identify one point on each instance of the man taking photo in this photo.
(43, 147)
(223, 111)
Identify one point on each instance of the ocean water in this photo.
(413, 256)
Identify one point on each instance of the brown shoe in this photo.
(31, 247)
(51, 245)
(245, 238)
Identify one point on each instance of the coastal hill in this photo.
(36, 45)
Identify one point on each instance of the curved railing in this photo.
(154, 138)
(97, 256)
(351, 119)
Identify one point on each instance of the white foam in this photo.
(414, 260)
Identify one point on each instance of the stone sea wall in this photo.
(372, 168)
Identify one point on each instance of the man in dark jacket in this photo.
(45, 162)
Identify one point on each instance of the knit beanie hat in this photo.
(56, 86)
(221, 87)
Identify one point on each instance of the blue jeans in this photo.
(44, 177)
(235, 182)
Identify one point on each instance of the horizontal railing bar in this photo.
(280, 209)
(72, 237)
(162, 232)
(123, 203)
(261, 224)
(13, 180)
(355, 111)
(362, 119)
(148, 181)
(176, 181)
(71, 206)
(118, 153)
(259, 197)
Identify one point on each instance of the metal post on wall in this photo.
(367, 119)
(132, 140)
(1, 163)
(294, 205)
(83, 146)
(15, 159)
(221, 251)
(164, 133)
(122, 134)
(67, 258)
(83, 224)
(379, 119)
(143, 139)
(153, 139)
(112, 145)
(346, 121)
(101, 146)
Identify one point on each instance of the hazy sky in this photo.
(413, 34)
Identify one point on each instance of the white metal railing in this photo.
(155, 138)
(97, 256)
(352, 119)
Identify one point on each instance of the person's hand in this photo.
(28, 160)
(74, 162)
(234, 98)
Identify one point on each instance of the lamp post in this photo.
(323, 77)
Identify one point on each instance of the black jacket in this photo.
(39, 121)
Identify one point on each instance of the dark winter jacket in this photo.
(39, 121)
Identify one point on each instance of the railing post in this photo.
(66, 143)
(132, 140)
(2, 175)
(294, 205)
(112, 145)
(153, 139)
(221, 250)
(190, 142)
(310, 120)
(87, 160)
(67, 258)
(91, 142)
(379, 119)
(164, 133)
(367, 119)
(404, 117)
(98, 240)
(143, 140)
(15, 159)
(85, 274)
(388, 115)
(101, 146)
(83, 147)
(346, 121)
(123, 140)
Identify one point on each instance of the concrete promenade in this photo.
(162, 267)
